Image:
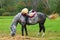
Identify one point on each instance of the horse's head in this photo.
(31, 11)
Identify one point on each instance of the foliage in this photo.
(58, 6)
(15, 6)
(6, 14)
(2, 10)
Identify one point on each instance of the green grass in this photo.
(52, 28)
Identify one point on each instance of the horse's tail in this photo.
(53, 16)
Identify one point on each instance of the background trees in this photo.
(58, 6)
(12, 7)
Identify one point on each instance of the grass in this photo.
(52, 28)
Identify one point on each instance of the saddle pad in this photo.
(34, 19)
(32, 14)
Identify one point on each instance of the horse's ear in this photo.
(54, 16)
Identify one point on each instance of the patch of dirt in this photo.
(18, 37)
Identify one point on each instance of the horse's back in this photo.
(41, 15)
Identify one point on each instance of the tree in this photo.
(43, 4)
(1, 3)
(58, 7)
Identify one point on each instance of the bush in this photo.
(58, 7)
(6, 14)
(11, 8)
(2, 10)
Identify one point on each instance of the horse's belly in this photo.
(32, 23)
(33, 20)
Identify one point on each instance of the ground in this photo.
(52, 30)
(19, 37)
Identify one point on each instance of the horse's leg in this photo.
(26, 30)
(41, 26)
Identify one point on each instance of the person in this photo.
(24, 12)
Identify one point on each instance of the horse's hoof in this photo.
(38, 34)
(43, 34)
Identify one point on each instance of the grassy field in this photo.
(52, 29)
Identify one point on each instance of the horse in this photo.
(39, 18)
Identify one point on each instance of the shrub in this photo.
(58, 7)
(2, 11)
(6, 14)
